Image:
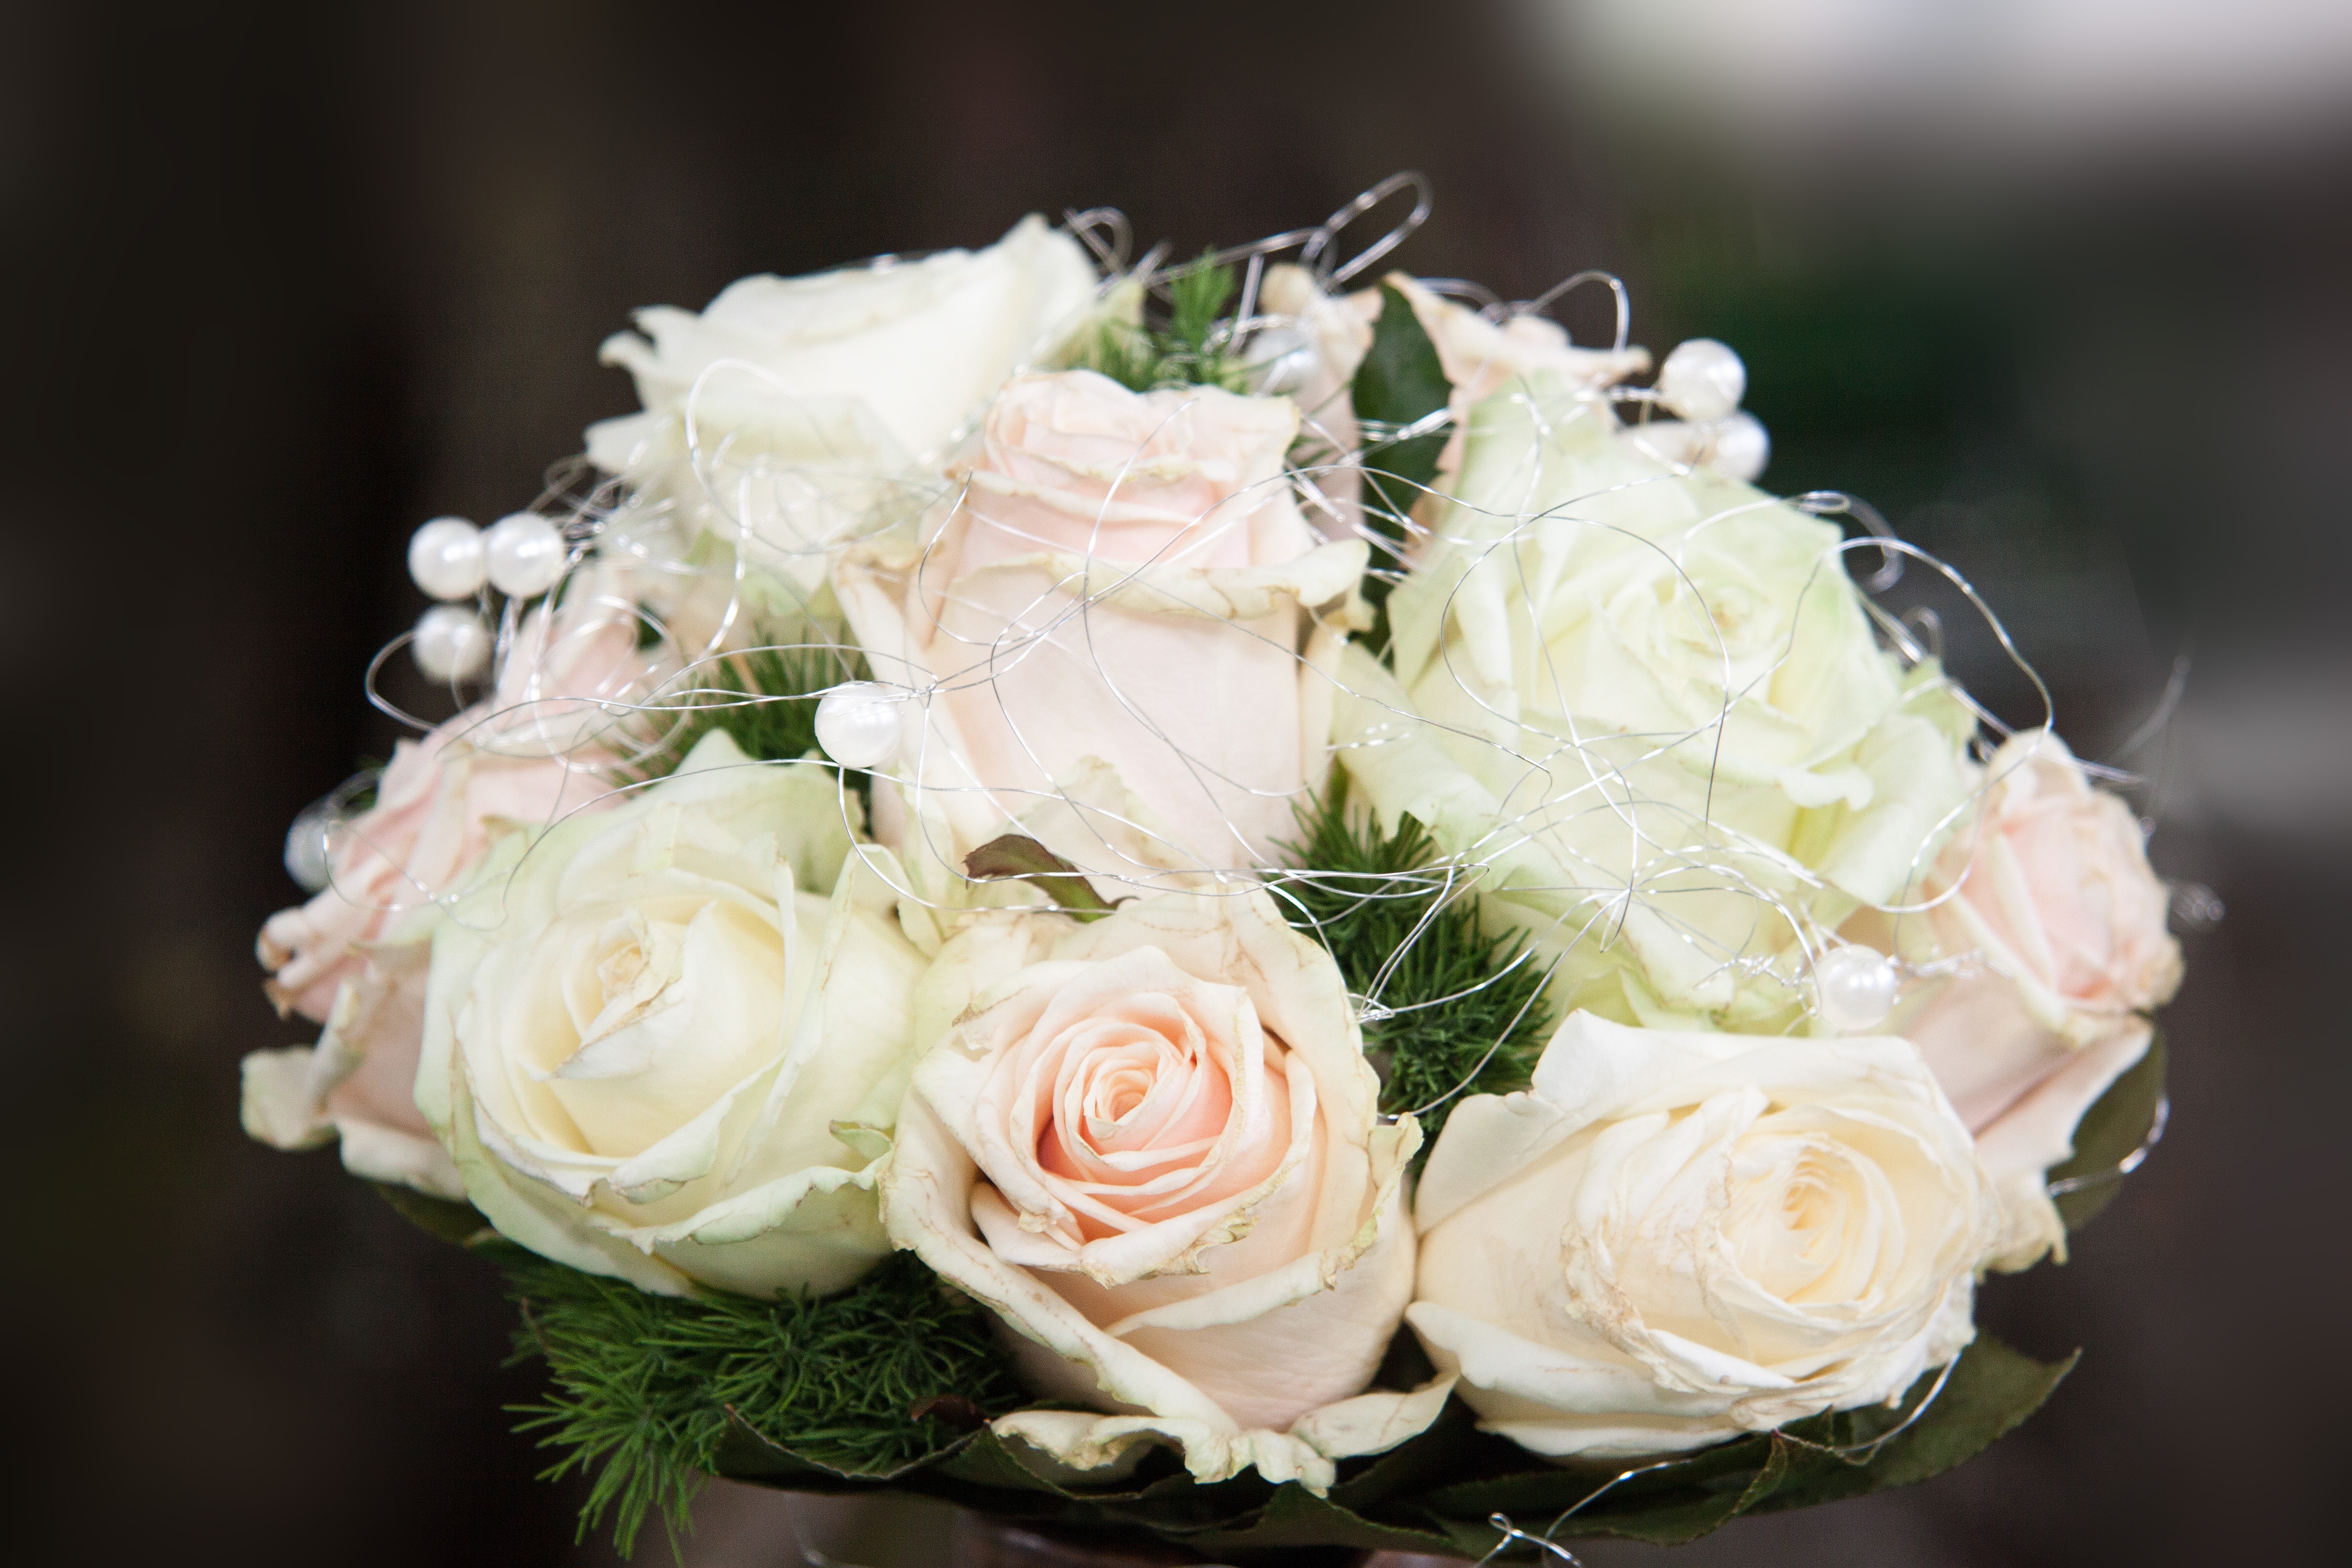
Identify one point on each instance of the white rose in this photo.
(1653, 701)
(1150, 1143)
(668, 1043)
(812, 399)
(1673, 1238)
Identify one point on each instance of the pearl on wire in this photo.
(1741, 448)
(451, 643)
(306, 845)
(857, 723)
(1856, 987)
(446, 558)
(1703, 381)
(526, 554)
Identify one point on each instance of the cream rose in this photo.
(1651, 702)
(1673, 1238)
(1124, 577)
(2049, 904)
(1151, 1144)
(807, 404)
(668, 1043)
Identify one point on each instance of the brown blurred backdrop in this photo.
(286, 281)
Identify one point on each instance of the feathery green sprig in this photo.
(765, 699)
(1185, 352)
(643, 1389)
(1452, 1010)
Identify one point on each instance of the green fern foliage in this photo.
(1450, 1010)
(1186, 349)
(765, 699)
(645, 1390)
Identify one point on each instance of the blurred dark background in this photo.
(285, 281)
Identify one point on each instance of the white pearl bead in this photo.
(446, 558)
(1701, 380)
(526, 554)
(1856, 988)
(1741, 448)
(451, 643)
(857, 725)
(306, 845)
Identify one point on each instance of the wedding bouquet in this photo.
(1191, 900)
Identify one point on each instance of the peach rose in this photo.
(1151, 1144)
(1126, 578)
(2053, 896)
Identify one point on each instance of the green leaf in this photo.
(2110, 1132)
(459, 1224)
(1990, 1389)
(1400, 382)
(1297, 1517)
(1016, 857)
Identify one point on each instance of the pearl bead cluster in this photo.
(1703, 381)
(520, 555)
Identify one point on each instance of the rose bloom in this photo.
(811, 398)
(668, 1043)
(2050, 894)
(354, 957)
(358, 1084)
(1612, 676)
(1150, 1143)
(530, 753)
(1125, 577)
(1480, 356)
(1673, 1238)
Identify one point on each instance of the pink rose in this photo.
(527, 755)
(1482, 357)
(1150, 1142)
(1124, 577)
(358, 1083)
(2057, 905)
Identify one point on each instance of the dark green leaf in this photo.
(1991, 1388)
(1400, 382)
(453, 1222)
(1297, 1517)
(2114, 1127)
(1024, 860)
